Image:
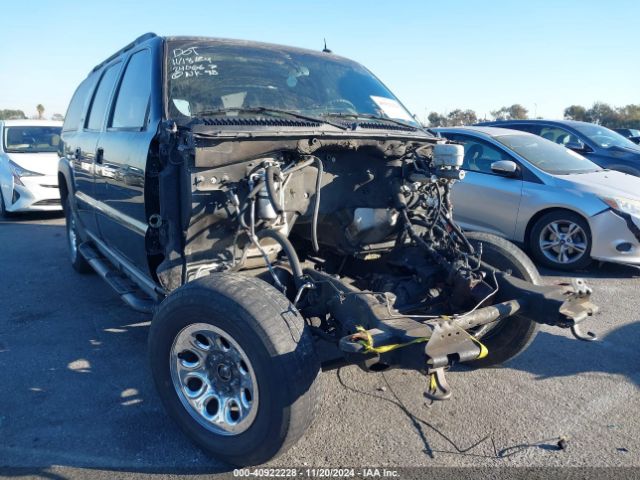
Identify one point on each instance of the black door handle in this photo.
(99, 155)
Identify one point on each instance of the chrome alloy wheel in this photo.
(214, 379)
(563, 241)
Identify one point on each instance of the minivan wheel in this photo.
(235, 367)
(511, 336)
(561, 240)
(78, 262)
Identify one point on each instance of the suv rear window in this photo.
(78, 104)
(133, 95)
(101, 98)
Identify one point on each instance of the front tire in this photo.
(561, 240)
(509, 337)
(78, 262)
(252, 356)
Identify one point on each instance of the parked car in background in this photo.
(632, 134)
(29, 165)
(599, 144)
(564, 208)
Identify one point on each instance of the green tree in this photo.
(459, 117)
(40, 109)
(436, 120)
(455, 118)
(629, 116)
(575, 112)
(12, 115)
(514, 112)
(602, 114)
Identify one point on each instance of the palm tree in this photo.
(40, 109)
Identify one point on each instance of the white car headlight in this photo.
(626, 205)
(18, 171)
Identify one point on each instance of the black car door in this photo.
(71, 148)
(123, 147)
(84, 152)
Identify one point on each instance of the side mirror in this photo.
(506, 168)
(577, 147)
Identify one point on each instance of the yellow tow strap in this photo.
(484, 351)
(433, 384)
(369, 347)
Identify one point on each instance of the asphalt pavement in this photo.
(77, 399)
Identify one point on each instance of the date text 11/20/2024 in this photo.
(316, 472)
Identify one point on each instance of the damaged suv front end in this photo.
(302, 169)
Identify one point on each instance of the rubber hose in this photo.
(271, 188)
(461, 235)
(298, 166)
(289, 251)
(316, 207)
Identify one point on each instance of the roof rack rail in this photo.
(137, 41)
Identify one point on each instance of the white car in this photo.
(29, 165)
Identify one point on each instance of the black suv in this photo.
(602, 146)
(262, 200)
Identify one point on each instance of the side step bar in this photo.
(123, 286)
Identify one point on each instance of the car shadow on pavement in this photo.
(597, 270)
(88, 401)
(31, 216)
(83, 396)
(77, 390)
(98, 408)
(553, 356)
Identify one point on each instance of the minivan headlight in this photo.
(626, 205)
(21, 172)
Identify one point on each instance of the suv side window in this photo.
(101, 97)
(132, 102)
(478, 154)
(78, 105)
(558, 135)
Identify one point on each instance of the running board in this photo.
(129, 292)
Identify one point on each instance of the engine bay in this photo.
(357, 232)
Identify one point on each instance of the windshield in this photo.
(224, 78)
(31, 139)
(547, 155)
(604, 137)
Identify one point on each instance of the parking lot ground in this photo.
(77, 397)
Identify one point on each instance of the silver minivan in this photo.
(565, 209)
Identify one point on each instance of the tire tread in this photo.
(285, 331)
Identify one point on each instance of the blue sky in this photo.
(434, 55)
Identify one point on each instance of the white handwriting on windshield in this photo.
(179, 52)
(188, 63)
